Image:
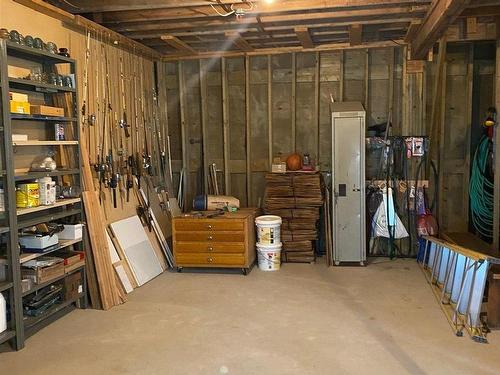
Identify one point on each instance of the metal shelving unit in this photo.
(13, 219)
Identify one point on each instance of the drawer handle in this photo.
(210, 238)
(209, 226)
(210, 248)
(210, 260)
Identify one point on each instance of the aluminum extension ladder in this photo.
(457, 276)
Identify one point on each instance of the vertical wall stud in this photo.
(269, 108)
(496, 190)
(367, 85)
(225, 121)
(293, 106)
(185, 160)
(248, 130)
(390, 104)
(204, 118)
(341, 85)
(404, 109)
(316, 104)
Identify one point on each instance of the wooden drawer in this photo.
(209, 225)
(209, 259)
(210, 247)
(209, 236)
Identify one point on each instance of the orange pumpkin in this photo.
(294, 162)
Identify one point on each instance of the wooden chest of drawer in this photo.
(226, 241)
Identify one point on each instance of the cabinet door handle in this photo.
(210, 238)
(209, 226)
(210, 260)
(210, 248)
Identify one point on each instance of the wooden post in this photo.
(390, 96)
(248, 130)
(367, 85)
(225, 121)
(440, 142)
(496, 140)
(294, 90)
(316, 104)
(404, 82)
(185, 160)
(204, 116)
(341, 84)
(270, 109)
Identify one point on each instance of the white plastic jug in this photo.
(3, 314)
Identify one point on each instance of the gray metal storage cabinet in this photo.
(348, 175)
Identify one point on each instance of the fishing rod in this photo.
(112, 180)
(86, 80)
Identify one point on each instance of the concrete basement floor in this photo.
(305, 319)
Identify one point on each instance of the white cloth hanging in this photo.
(379, 223)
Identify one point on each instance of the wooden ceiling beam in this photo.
(412, 30)
(441, 15)
(286, 12)
(239, 41)
(198, 30)
(95, 6)
(178, 44)
(281, 50)
(481, 11)
(352, 16)
(355, 35)
(304, 37)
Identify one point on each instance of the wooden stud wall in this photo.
(264, 106)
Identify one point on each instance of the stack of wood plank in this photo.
(296, 197)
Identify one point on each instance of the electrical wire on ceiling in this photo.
(70, 4)
(232, 9)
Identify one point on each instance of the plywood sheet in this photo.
(137, 249)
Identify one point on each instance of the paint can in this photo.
(27, 195)
(269, 257)
(268, 229)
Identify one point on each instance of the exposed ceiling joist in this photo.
(239, 41)
(304, 37)
(441, 15)
(355, 34)
(491, 10)
(280, 50)
(412, 30)
(178, 44)
(95, 6)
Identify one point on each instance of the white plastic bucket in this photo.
(269, 257)
(268, 230)
(3, 314)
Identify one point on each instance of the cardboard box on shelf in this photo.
(73, 286)
(17, 72)
(71, 232)
(22, 108)
(19, 137)
(43, 269)
(18, 97)
(71, 259)
(47, 111)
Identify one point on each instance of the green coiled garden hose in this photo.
(481, 190)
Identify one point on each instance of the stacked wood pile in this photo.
(296, 197)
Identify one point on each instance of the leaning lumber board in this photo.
(110, 293)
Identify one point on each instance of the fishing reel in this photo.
(146, 163)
